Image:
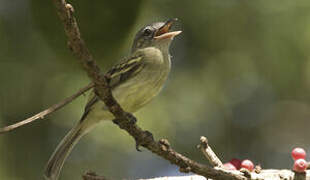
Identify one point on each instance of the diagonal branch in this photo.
(79, 49)
(209, 153)
(46, 112)
(124, 119)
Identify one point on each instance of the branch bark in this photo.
(269, 174)
(209, 153)
(124, 119)
(47, 111)
(79, 49)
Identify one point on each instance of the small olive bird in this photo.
(134, 82)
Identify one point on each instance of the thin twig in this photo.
(47, 111)
(79, 49)
(124, 119)
(209, 153)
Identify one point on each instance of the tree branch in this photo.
(124, 119)
(47, 111)
(268, 174)
(79, 49)
(209, 153)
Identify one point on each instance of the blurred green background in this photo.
(240, 76)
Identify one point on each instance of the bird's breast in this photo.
(142, 88)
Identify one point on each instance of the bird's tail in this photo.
(56, 161)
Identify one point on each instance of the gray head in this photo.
(155, 35)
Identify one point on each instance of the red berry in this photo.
(300, 165)
(229, 166)
(236, 162)
(298, 153)
(247, 164)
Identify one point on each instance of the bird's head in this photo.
(155, 35)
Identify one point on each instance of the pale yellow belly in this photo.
(140, 90)
(132, 95)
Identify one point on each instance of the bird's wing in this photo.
(117, 75)
(124, 71)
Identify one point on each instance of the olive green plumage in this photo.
(134, 83)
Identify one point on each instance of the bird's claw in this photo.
(138, 147)
(147, 137)
(116, 121)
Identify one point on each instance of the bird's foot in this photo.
(144, 140)
(116, 121)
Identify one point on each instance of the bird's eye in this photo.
(147, 32)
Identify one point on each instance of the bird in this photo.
(134, 82)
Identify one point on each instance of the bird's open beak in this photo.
(163, 32)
